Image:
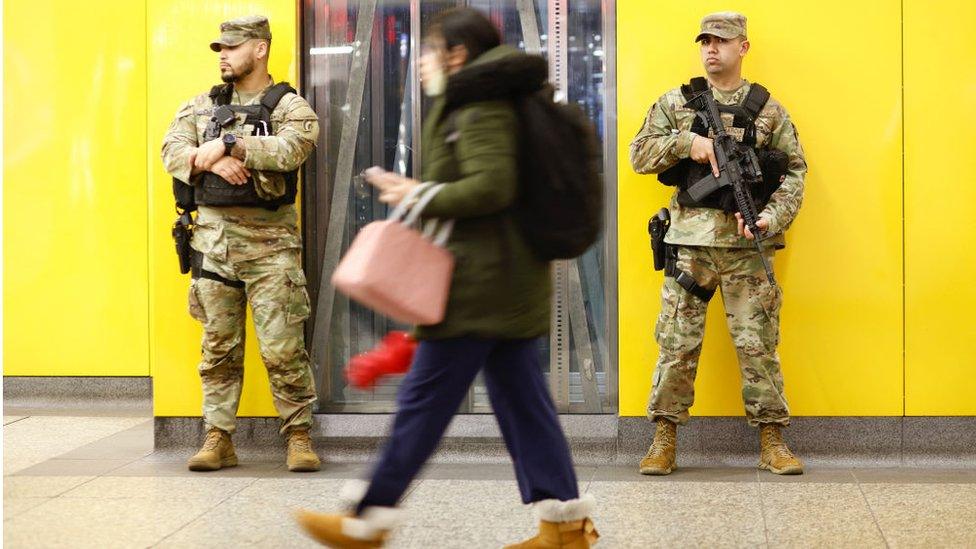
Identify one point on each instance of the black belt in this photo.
(197, 271)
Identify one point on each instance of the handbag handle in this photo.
(421, 204)
(410, 217)
(401, 208)
(446, 227)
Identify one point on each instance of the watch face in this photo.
(230, 139)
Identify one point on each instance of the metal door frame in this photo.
(566, 275)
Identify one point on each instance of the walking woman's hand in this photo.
(393, 187)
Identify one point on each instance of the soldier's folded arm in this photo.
(179, 143)
(292, 143)
(659, 144)
(785, 203)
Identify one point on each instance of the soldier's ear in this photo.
(744, 47)
(261, 49)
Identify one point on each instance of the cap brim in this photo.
(215, 46)
(720, 34)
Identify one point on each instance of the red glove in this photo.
(392, 356)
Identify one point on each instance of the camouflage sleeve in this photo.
(785, 202)
(292, 143)
(180, 139)
(659, 144)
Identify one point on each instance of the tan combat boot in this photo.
(301, 457)
(660, 458)
(562, 525)
(774, 455)
(217, 452)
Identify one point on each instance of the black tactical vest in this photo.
(686, 172)
(213, 190)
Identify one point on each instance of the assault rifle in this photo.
(738, 168)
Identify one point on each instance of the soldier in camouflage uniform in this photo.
(718, 252)
(248, 252)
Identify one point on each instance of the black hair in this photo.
(466, 27)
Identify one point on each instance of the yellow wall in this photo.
(940, 232)
(836, 66)
(74, 194)
(91, 285)
(181, 65)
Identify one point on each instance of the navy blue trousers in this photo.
(431, 393)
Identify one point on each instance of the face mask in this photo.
(435, 83)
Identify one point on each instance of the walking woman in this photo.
(499, 302)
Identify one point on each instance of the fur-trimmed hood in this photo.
(500, 73)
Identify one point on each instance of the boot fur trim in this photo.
(373, 522)
(554, 510)
(352, 492)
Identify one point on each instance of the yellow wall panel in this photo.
(181, 65)
(839, 77)
(74, 195)
(940, 233)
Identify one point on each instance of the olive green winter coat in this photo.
(500, 289)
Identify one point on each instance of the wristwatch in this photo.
(229, 141)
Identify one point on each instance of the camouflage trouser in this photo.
(752, 311)
(275, 288)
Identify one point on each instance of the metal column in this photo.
(340, 191)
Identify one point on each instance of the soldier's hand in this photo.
(208, 153)
(231, 169)
(703, 152)
(762, 223)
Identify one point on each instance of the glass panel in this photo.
(380, 127)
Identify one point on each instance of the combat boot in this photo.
(660, 458)
(562, 525)
(217, 452)
(774, 455)
(301, 457)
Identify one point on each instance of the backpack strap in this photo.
(220, 94)
(274, 95)
(755, 100)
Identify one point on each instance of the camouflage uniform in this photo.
(258, 247)
(711, 250)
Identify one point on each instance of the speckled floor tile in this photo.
(629, 473)
(810, 475)
(123, 522)
(925, 515)
(40, 487)
(73, 467)
(316, 494)
(678, 514)
(205, 489)
(37, 439)
(243, 523)
(13, 507)
(823, 515)
(177, 468)
(907, 475)
(465, 513)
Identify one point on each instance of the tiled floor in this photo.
(95, 482)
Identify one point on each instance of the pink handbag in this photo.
(395, 269)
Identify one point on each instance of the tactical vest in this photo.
(686, 172)
(213, 190)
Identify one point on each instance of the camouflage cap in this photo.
(724, 24)
(237, 31)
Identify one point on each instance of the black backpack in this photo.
(560, 207)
